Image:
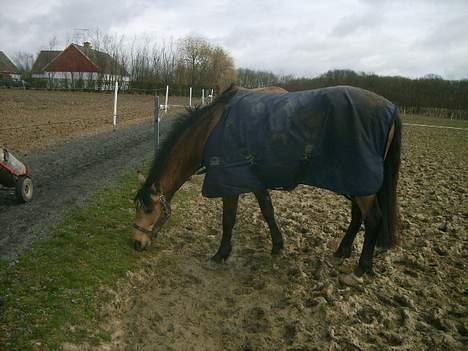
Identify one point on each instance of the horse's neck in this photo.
(187, 153)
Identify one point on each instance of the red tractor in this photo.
(15, 174)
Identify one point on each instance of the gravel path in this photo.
(65, 176)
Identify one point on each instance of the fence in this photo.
(46, 123)
(158, 107)
(435, 112)
(174, 91)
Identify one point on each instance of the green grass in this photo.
(446, 122)
(53, 293)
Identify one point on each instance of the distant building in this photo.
(8, 69)
(79, 67)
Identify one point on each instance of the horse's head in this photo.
(152, 211)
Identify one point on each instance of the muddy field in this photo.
(416, 301)
(178, 300)
(32, 119)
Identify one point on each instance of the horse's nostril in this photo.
(137, 245)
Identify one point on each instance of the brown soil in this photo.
(302, 300)
(33, 119)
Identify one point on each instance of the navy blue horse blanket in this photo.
(332, 138)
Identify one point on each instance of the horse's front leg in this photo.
(264, 201)
(229, 218)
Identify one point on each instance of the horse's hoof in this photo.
(343, 253)
(379, 251)
(276, 249)
(359, 271)
(211, 265)
(220, 257)
(337, 260)
(351, 280)
(217, 259)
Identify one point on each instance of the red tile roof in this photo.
(76, 58)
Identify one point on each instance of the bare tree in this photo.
(192, 53)
(24, 62)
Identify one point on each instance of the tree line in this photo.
(195, 62)
(429, 95)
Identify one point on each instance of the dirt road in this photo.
(66, 175)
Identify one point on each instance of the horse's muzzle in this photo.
(138, 245)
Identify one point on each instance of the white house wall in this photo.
(66, 78)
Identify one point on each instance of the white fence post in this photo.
(114, 116)
(167, 97)
(157, 120)
(203, 96)
(190, 98)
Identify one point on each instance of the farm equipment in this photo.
(15, 174)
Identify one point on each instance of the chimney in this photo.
(87, 45)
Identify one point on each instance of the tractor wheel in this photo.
(24, 189)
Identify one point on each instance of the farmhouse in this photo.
(79, 67)
(8, 69)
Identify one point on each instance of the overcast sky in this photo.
(302, 37)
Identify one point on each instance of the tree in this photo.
(192, 53)
(248, 78)
(24, 62)
(202, 65)
(220, 68)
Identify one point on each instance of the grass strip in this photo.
(53, 292)
(443, 122)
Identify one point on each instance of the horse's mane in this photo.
(182, 122)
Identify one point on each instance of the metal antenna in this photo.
(80, 34)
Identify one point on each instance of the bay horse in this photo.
(344, 139)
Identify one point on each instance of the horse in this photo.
(343, 139)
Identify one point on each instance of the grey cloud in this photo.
(351, 24)
(63, 18)
(451, 33)
(303, 37)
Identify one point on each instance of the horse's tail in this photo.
(387, 196)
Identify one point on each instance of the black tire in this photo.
(24, 189)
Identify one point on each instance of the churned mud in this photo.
(303, 299)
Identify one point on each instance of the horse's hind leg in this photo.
(372, 215)
(264, 201)
(229, 218)
(346, 245)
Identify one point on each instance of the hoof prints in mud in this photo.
(304, 298)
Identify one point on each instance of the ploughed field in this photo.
(416, 301)
(31, 119)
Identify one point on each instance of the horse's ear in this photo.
(141, 178)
